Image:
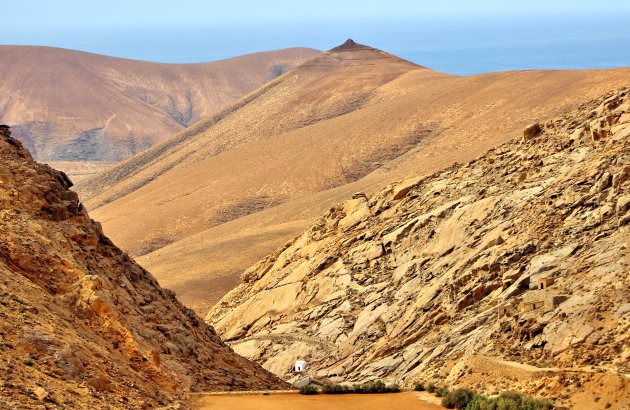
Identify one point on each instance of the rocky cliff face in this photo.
(437, 278)
(81, 324)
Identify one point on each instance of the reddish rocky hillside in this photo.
(508, 272)
(81, 324)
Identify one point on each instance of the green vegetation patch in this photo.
(375, 387)
(308, 389)
(466, 399)
(372, 387)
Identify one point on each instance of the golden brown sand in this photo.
(291, 401)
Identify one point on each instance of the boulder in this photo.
(531, 132)
(623, 204)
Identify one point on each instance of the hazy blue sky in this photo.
(30, 14)
(457, 36)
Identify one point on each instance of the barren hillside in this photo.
(81, 324)
(205, 205)
(510, 271)
(67, 105)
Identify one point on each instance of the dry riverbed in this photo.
(292, 401)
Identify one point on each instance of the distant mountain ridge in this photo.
(67, 105)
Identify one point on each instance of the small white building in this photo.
(300, 366)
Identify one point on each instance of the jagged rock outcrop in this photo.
(81, 324)
(436, 278)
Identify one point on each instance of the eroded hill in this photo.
(67, 105)
(224, 193)
(511, 271)
(81, 324)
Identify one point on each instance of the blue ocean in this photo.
(457, 46)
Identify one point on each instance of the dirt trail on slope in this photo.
(498, 366)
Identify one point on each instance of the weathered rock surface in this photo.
(81, 324)
(407, 285)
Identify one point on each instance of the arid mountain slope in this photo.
(67, 105)
(490, 110)
(81, 324)
(351, 119)
(254, 154)
(437, 278)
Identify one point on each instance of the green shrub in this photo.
(335, 389)
(393, 388)
(458, 399)
(375, 387)
(480, 403)
(467, 399)
(513, 400)
(419, 387)
(441, 391)
(508, 400)
(308, 389)
(447, 401)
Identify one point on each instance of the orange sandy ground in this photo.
(292, 401)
